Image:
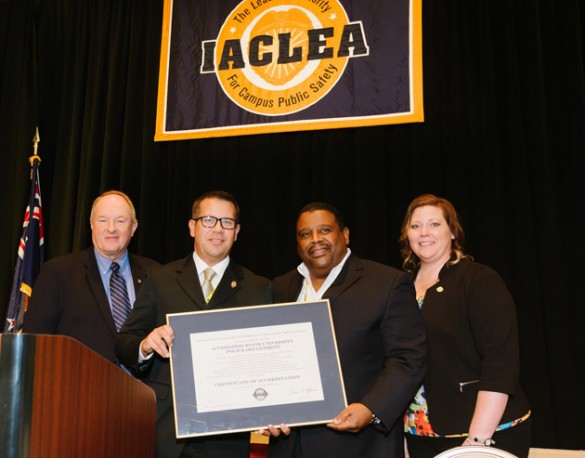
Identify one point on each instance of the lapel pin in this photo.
(139, 281)
(234, 283)
(440, 289)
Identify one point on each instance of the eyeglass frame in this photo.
(220, 220)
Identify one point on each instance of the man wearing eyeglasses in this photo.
(206, 279)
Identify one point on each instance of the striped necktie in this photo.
(119, 296)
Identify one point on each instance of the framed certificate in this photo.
(241, 369)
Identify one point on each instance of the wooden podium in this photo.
(58, 398)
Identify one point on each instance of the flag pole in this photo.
(30, 252)
(35, 156)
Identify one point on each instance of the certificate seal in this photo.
(260, 394)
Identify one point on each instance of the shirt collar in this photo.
(218, 268)
(308, 289)
(105, 263)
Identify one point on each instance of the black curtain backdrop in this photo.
(503, 139)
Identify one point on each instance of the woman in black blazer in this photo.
(470, 394)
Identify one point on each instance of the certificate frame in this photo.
(191, 420)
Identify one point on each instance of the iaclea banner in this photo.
(263, 66)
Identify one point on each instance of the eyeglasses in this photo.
(211, 221)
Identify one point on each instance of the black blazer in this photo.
(472, 333)
(175, 288)
(69, 299)
(381, 342)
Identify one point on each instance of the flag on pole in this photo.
(30, 252)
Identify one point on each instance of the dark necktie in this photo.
(119, 296)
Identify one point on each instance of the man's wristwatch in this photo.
(479, 441)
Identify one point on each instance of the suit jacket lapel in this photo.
(228, 285)
(350, 273)
(294, 287)
(94, 281)
(138, 272)
(188, 280)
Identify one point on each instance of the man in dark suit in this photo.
(72, 292)
(181, 286)
(380, 338)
